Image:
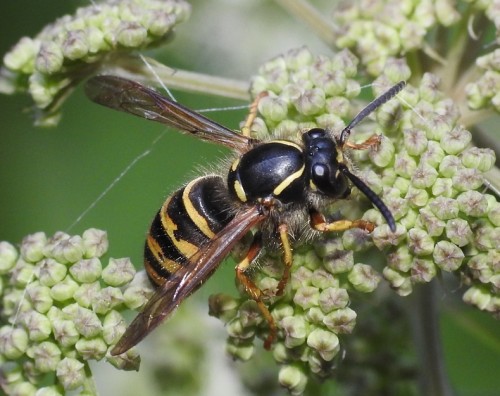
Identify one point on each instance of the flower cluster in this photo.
(428, 174)
(60, 308)
(485, 90)
(49, 65)
(378, 30)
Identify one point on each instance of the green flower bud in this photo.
(383, 237)
(39, 296)
(447, 256)
(87, 293)
(333, 298)
(281, 353)
(494, 213)
(48, 391)
(481, 159)
(298, 58)
(129, 360)
(415, 141)
(473, 203)
(66, 249)
(130, 34)
(222, 306)
(64, 290)
(422, 270)
(295, 330)
(51, 272)
(356, 240)
(450, 165)
(339, 261)
(306, 297)
(95, 243)
(301, 277)
(22, 274)
(478, 296)
(273, 108)
(86, 270)
(364, 278)
(65, 332)
(107, 299)
(315, 315)
(87, 322)
(118, 272)
(433, 155)
(456, 141)
(404, 165)
(424, 176)
(8, 257)
(310, 102)
(459, 232)
(23, 389)
(46, 356)
(292, 378)
(325, 342)
(240, 351)
(467, 179)
(37, 325)
(444, 208)
(282, 310)
(443, 187)
(13, 342)
(93, 348)
(417, 197)
(400, 259)
(322, 279)
(341, 321)
(384, 154)
(20, 58)
(70, 373)
(236, 329)
(113, 327)
(419, 242)
(75, 45)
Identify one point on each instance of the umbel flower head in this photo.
(428, 174)
(61, 308)
(67, 51)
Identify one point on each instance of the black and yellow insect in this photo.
(273, 187)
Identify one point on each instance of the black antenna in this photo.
(373, 105)
(374, 198)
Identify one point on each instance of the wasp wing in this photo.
(186, 280)
(131, 97)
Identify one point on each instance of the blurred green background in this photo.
(48, 177)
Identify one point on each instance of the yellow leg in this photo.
(287, 258)
(252, 114)
(253, 291)
(318, 222)
(370, 142)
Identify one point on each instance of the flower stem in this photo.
(304, 12)
(424, 320)
(149, 71)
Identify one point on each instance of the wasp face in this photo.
(322, 163)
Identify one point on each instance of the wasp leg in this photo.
(318, 222)
(373, 140)
(252, 114)
(287, 258)
(251, 288)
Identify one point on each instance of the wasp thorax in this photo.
(322, 164)
(274, 169)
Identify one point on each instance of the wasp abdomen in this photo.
(188, 219)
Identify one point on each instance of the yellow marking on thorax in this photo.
(198, 219)
(286, 142)
(240, 193)
(289, 180)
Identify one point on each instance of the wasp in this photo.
(272, 189)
